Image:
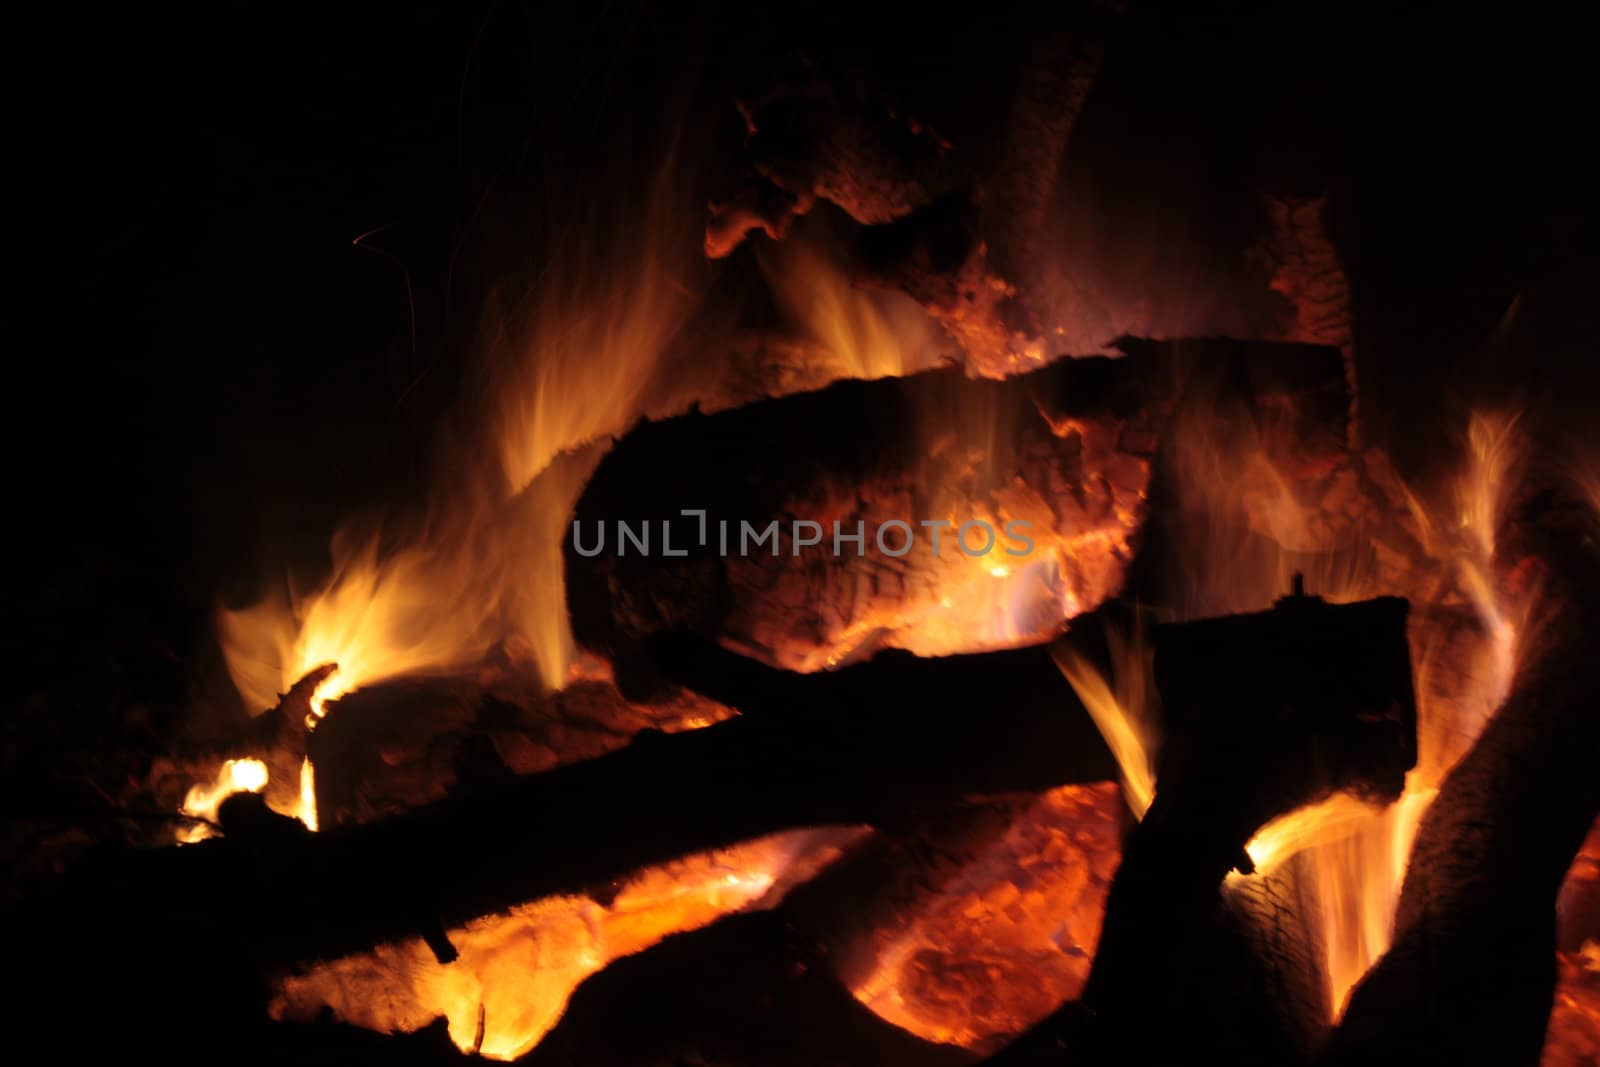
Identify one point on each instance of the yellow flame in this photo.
(306, 811)
(570, 362)
(1337, 818)
(597, 345)
(1120, 716)
(868, 334)
(203, 800)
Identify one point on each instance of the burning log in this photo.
(1264, 714)
(1061, 456)
(1496, 842)
(387, 748)
(890, 742)
(1052, 465)
(879, 743)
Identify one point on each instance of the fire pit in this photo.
(1055, 537)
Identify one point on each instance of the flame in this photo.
(866, 334)
(246, 775)
(306, 810)
(1357, 856)
(1122, 716)
(1236, 487)
(202, 801)
(515, 972)
(568, 363)
(604, 340)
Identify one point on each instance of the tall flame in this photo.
(1123, 715)
(612, 332)
(572, 363)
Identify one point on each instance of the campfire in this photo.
(879, 602)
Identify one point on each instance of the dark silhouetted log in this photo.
(878, 743)
(764, 987)
(1264, 714)
(1471, 972)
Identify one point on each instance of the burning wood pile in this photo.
(963, 660)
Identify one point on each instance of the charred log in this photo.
(1495, 845)
(1067, 449)
(1263, 714)
(771, 987)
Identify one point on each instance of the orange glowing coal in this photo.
(1012, 938)
(516, 971)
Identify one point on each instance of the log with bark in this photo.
(1470, 975)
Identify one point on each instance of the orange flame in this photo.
(604, 344)
(202, 801)
(1122, 716)
(1357, 856)
(1354, 854)
(866, 334)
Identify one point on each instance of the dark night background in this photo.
(218, 373)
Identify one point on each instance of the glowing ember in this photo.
(1013, 938)
(516, 971)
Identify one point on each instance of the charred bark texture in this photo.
(1471, 972)
(1067, 448)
